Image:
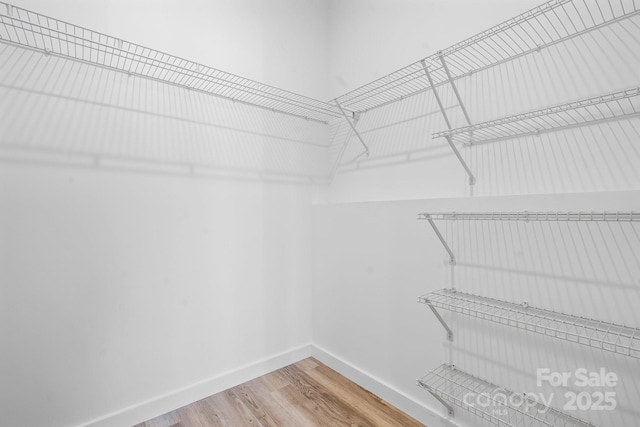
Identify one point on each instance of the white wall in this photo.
(121, 287)
(405, 162)
(372, 38)
(282, 43)
(154, 238)
(155, 242)
(371, 260)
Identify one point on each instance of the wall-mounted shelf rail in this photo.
(614, 106)
(455, 388)
(51, 36)
(546, 25)
(520, 216)
(533, 216)
(590, 332)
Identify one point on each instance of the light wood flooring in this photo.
(305, 394)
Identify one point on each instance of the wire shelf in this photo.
(613, 106)
(54, 37)
(504, 409)
(593, 333)
(546, 25)
(533, 216)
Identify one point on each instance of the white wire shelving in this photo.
(51, 36)
(503, 408)
(520, 216)
(546, 25)
(602, 335)
(532, 216)
(614, 106)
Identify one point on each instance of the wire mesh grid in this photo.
(499, 406)
(550, 23)
(532, 216)
(52, 36)
(617, 105)
(581, 330)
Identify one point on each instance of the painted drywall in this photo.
(132, 274)
(372, 260)
(282, 43)
(372, 38)
(155, 241)
(120, 287)
(405, 162)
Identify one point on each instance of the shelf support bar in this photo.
(444, 324)
(452, 257)
(334, 169)
(472, 179)
(366, 149)
(453, 85)
(444, 402)
(425, 67)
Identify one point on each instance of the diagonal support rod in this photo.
(334, 169)
(425, 67)
(472, 179)
(453, 85)
(452, 257)
(444, 403)
(440, 319)
(366, 149)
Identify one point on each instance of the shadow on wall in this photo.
(591, 157)
(581, 268)
(60, 112)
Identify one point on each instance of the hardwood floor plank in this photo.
(266, 410)
(274, 381)
(307, 364)
(298, 406)
(232, 411)
(304, 394)
(208, 406)
(169, 419)
(360, 399)
(334, 411)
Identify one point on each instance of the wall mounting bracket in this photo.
(472, 179)
(353, 127)
(452, 257)
(425, 300)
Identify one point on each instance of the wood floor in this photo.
(304, 394)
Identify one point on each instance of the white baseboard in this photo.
(426, 415)
(168, 402)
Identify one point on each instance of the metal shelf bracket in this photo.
(440, 319)
(472, 179)
(452, 257)
(443, 402)
(353, 127)
(453, 85)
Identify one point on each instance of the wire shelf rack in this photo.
(613, 106)
(54, 37)
(532, 216)
(546, 25)
(504, 408)
(581, 330)
(520, 216)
